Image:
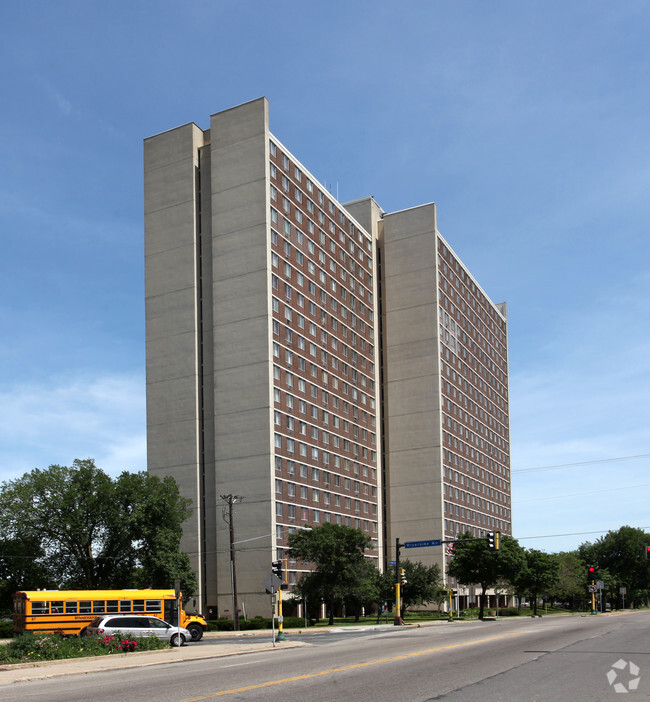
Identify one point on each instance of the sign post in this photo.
(177, 592)
(272, 585)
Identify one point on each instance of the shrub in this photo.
(6, 629)
(48, 647)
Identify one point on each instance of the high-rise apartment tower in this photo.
(322, 361)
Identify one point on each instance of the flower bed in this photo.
(49, 647)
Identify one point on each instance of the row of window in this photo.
(490, 474)
(487, 368)
(297, 489)
(344, 303)
(468, 380)
(342, 367)
(95, 606)
(480, 503)
(474, 515)
(316, 516)
(491, 437)
(471, 291)
(318, 433)
(499, 406)
(301, 469)
(319, 455)
(483, 447)
(352, 299)
(500, 492)
(357, 341)
(472, 399)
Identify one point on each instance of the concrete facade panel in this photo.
(412, 324)
(164, 355)
(171, 314)
(170, 271)
(174, 227)
(413, 360)
(419, 285)
(250, 428)
(415, 431)
(171, 444)
(184, 405)
(415, 396)
(172, 146)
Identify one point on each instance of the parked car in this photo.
(139, 625)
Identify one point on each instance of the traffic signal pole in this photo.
(280, 636)
(492, 539)
(398, 602)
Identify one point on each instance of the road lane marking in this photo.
(308, 676)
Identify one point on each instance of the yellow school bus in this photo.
(69, 611)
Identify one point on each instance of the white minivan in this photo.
(138, 625)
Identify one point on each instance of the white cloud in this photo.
(101, 418)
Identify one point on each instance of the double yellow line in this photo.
(309, 676)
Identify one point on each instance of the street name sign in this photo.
(422, 544)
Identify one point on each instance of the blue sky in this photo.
(526, 122)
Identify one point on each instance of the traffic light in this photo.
(647, 552)
(592, 572)
(494, 540)
(402, 576)
(276, 567)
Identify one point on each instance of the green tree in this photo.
(423, 584)
(474, 564)
(570, 587)
(622, 554)
(341, 573)
(20, 569)
(538, 576)
(90, 531)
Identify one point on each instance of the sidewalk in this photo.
(21, 672)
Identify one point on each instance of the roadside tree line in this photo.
(78, 528)
(343, 579)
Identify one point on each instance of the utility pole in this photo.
(228, 518)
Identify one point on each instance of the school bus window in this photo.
(138, 605)
(71, 607)
(125, 605)
(111, 606)
(85, 607)
(98, 606)
(40, 607)
(154, 606)
(56, 607)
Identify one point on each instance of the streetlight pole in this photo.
(228, 518)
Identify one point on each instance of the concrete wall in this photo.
(411, 381)
(170, 162)
(242, 346)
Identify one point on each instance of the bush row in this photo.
(49, 647)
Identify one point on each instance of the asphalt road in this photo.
(518, 660)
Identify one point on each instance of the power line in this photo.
(573, 533)
(581, 463)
